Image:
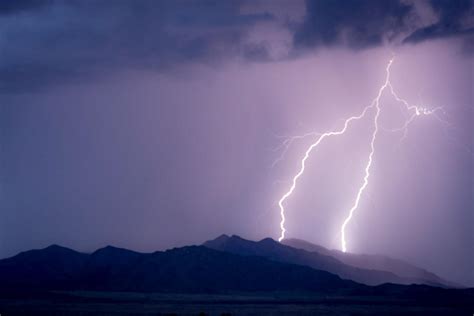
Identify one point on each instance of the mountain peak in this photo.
(236, 237)
(55, 247)
(222, 237)
(112, 250)
(268, 240)
(222, 240)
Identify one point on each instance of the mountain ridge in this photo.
(193, 269)
(236, 264)
(274, 250)
(375, 262)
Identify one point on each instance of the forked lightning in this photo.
(413, 110)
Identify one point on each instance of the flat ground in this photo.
(106, 303)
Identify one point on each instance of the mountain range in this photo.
(220, 265)
(191, 269)
(365, 269)
(222, 276)
(407, 272)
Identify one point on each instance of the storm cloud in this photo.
(353, 23)
(48, 42)
(455, 18)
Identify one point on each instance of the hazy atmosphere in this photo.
(156, 124)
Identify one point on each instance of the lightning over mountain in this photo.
(375, 109)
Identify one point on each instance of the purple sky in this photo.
(153, 124)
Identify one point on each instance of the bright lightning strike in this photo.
(414, 110)
(285, 145)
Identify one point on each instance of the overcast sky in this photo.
(155, 124)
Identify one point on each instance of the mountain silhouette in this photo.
(193, 269)
(375, 262)
(316, 257)
(240, 266)
(54, 267)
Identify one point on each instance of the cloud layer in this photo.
(47, 41)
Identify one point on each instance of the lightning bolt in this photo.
(415, 112)
(285, 145)
(412, 109)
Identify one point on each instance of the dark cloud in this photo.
(68, 39)
(359, 24)
(47, 42)
(353, 23)
(17, 6)
(453, 20)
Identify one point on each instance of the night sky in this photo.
(156, 124)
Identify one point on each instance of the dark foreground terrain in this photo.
(113, 303)
(226, 276)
